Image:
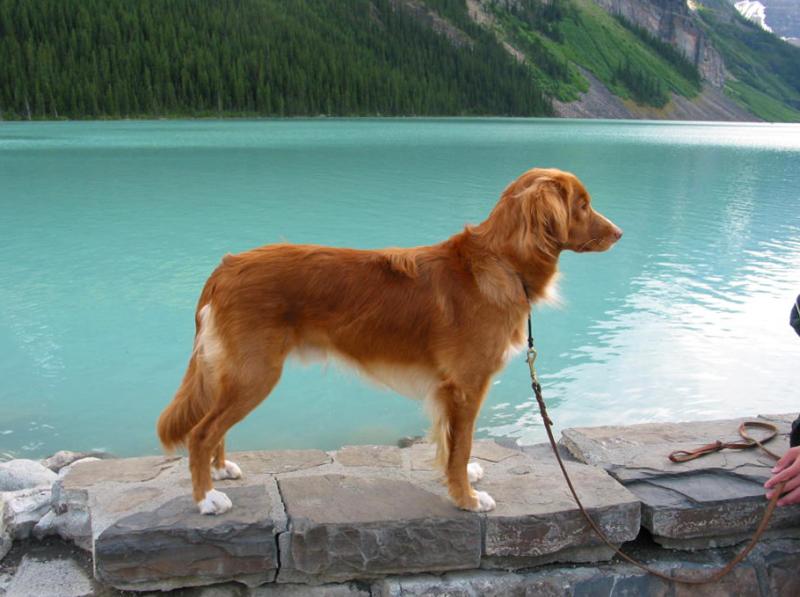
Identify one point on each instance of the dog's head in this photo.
(546, 211)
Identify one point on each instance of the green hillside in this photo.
(766, 69)
(630, 62)
(164, 58)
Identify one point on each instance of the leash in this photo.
(680, 456)
(749, 442)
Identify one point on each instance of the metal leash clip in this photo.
(535, 385)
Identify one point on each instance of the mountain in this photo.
(783, 17)
(588, 58)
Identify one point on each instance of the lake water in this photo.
(108, 231)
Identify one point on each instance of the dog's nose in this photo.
(617, 233)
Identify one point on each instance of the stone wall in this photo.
(375, 520)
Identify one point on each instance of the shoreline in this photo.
(321, 117)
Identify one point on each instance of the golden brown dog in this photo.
(435, 322)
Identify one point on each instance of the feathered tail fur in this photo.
(192, 400)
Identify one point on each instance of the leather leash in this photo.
(749, 442)
(682, 456)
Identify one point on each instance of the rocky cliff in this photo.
(672, 22)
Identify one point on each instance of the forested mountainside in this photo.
(165, 58)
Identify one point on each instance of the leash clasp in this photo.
(532, 354)
(535, 385)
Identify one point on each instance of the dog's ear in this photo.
(546, 213)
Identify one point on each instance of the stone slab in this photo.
(345, 527)
(174, 545)
(381, 456)
(583, 582)
(711, 501)
(272, 590)
(769, 571)
(537, 521)
(280, 461)
(146, 532)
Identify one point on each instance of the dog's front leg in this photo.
(460, 409)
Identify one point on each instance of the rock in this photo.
(781, 561)
(63, 458)
(45, 527)
(330, 590)
(50, 578)
(537, 521)
(23, 509)
(71, 491)
(536, 518)
(5, 579)
(712, 501)
(147, 533)
(24, 474)
(493, 452)
(408, 441)
(6, 540)
(558, 582)
(71, 520)
(272, 590)
(605, 580)
(280, 461)
(383, 456)
(345, 527)
(121, 470)
(5, 544)
(173, 545)
(64, 470)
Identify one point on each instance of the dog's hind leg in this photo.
(236, 399)
(223, 469)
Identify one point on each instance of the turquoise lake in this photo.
(108, 231)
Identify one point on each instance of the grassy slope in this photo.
(766, 69)
(599, 43)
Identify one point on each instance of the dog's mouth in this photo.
(596, 245)
(587, 245)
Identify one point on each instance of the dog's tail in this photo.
(192, 400)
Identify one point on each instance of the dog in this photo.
(434, 322)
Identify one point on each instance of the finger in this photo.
(790, 456)
(791, 484)
(788, 487)
(790, 498)
(785, 474)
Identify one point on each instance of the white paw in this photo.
(230, 471)
(215, 502)
(474, 472)
(485, 502)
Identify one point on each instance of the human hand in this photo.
(787, 469)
